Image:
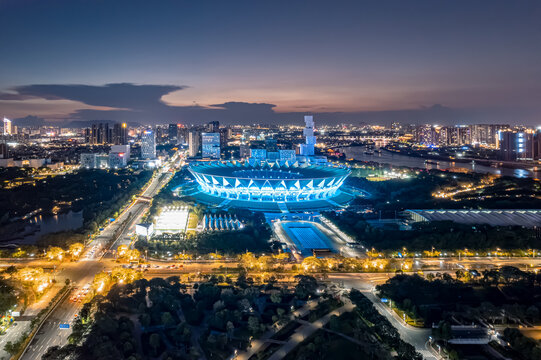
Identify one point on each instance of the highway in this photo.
(82, 272)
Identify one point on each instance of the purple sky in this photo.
(272, 61)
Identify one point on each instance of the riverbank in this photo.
(483, 162)
(402, 160)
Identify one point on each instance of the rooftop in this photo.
(496, 217)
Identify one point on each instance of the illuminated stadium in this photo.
(271, 186)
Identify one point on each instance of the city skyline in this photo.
(246, 63)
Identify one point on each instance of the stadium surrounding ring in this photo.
(269, 181)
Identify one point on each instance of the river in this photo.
(386, 157)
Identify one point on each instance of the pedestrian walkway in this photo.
(262, 343)
(306, 330)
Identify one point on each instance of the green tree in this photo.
(276, 297)
(154, 342)
(167, 319)
(253, 325)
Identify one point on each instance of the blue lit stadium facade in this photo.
(269, 181)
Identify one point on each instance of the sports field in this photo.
(306, 236)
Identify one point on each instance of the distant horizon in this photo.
(32, 121)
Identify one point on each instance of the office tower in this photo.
(88, 135)
(7, 127)
(213, 127)
(172, 133)
(148, 145)
(537, 145)
(107, 134)
(307, 149)
(210, 145)
(123, 134)
(258, 154)
(194, 142)
(516, 145)
(244, 151)
(182, 134)
(4, 151)
(287, 155)
(120, 134)
(271, 145)
(225, 134)
(94, 135)
(117, 160)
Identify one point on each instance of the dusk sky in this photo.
(431, 61)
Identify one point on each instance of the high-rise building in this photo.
(88, 135)
(307, 149)
(537, 145)
(225, 134)
(172, 133)
(182, 134)
(117, 160)
(426, 135)
(7, 127)
(210, 145)
(194, 142)
(258, 154)
(287, 155)
(244, 151)
(120, 134)
(107, 134)
(148, 145)
(4, 151)
(271, 145)
(123, 134)
(213, 127)
(516, 145)
(486, 134)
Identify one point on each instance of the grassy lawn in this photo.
(409, 320)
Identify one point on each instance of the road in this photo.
(22, 324)
(82, 272)
(365, 283)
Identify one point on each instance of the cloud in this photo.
(123, 95)
(14, 97)
(143, 104)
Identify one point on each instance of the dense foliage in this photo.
(162, 318)
(361, 334)
(516, 292)
(528, 348)
(416, 192)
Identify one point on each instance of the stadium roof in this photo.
(295, 170)
(496, 217)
